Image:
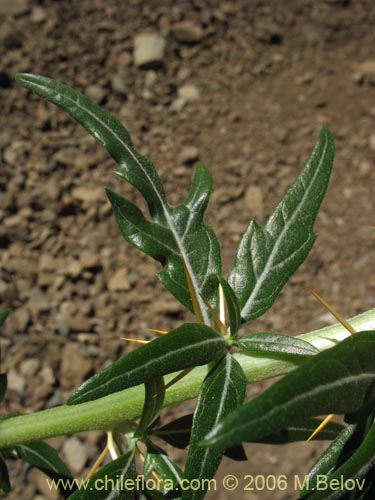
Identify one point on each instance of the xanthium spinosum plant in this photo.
(326, 372)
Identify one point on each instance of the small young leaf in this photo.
(268, 255)
(334, 381)
(187, 346)
(111, 482)
(222, 391)
(3, 385)
(156, 459)
(354, 468)
(274, 343)
(154, 397)
(234, 310)
(44, 457)
(176, 234)
(3, 315)
(4, 476)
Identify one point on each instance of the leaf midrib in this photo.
(165, 208)
(268, 267)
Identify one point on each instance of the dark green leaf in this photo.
(187, 346)
(3, 385)
(44, 457)
(334, 381)
(3, 315)
(351, 471)
(328, 459)
(274, 343)
(234, 310)
(156, 459)
(222, 391)
(175, 233)
(4, 476)
(154, 397)
(177, 433)
(115, 481)
(302, 431)
(268, 255)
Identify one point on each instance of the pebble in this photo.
(189, 92)
(188, 32)
(74, 366)
(38, 478)
(149, 49)
(119, 281)
(87, 194)
(75, 454)
(29, 367)
(38, 15)
(16, 382)
(13, 7)
(188, 155)
(96, 93)
(118, 85)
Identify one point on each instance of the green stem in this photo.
(106, 413)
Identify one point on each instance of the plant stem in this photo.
(107, 412)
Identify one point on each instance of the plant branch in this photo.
(107, 412)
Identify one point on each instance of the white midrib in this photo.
(168, 219)
(295, 399)
(219, 415)
(262, 277)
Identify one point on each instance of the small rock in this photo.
(79, 324)
(75, 454)
(189, 92)
(366, 68)
(16, 382)
(149, 50)
(90, 260)
(38, 478)
(188, 32)
(21, 319)
(188, 155)
(75, 269)
(118, 85)
(96, 93)
(119, 281)
(13, 7)
(87, 194)
(38, 15)
(29, 367)
(74, 366)
(3, 287)
(254, 200)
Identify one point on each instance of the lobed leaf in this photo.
(187, 346)
(274, 343)
(335, 381)
(269, 255)
(222, 391)
(111, 482)
(175, 233)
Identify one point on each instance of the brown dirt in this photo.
(269, 74)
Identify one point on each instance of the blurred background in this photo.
(242, 86)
